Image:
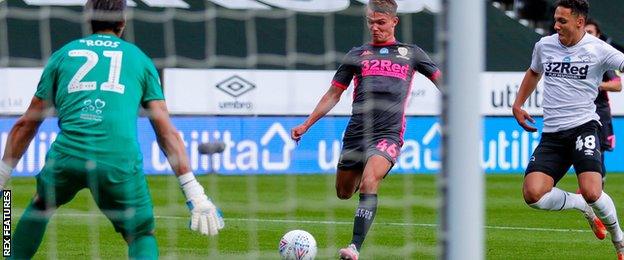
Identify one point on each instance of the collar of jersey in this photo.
(105, 35)
(388, 43)
(575, 45)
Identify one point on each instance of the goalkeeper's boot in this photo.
(349, 253)
(595, 223)
(619, 249)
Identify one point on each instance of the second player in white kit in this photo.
(571, 63)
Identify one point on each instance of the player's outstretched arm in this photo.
(206, 218)
(20, 136)
(327, 102)
(528, 85)
(168, 137)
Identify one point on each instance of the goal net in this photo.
(240, 73)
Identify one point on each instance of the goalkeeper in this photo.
(96, 85)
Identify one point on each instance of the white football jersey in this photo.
(571, 76)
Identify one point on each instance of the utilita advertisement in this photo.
(261, 145)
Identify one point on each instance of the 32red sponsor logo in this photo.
(384, 67)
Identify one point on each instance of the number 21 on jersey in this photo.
(114, 72)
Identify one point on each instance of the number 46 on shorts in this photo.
(391, 149)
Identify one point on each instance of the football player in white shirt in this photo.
(571, 63)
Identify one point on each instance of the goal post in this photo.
(462, 181)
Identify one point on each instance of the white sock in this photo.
(605, 211)
(557, 199)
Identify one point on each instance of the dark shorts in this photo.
(120, 191)
(578, 147)
(607, 137)
(357, 149)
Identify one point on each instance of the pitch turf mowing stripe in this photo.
(325, 222)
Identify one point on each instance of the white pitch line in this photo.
(326, 222)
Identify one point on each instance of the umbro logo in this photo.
(235, 86)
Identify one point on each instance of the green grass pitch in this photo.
(260, 209)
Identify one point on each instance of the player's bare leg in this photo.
(590, 184)
(535, 185)
(347, 182)
(376, 168)
(539, 193)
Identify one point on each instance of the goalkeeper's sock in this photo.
(29, 232)
(364, 216)
(143, 247)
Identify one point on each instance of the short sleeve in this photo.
(536, 59)
(152, 89)
(345, 71)
(614, 59)
(47, 87)
(611, 75)
(424, 65)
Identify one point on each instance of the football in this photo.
(297, 245)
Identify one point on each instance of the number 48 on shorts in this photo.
(589, 143)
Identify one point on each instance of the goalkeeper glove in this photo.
(206, 218)
(5, 174)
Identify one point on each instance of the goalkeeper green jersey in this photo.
(97, 85)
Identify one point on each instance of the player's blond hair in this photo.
(383, 6)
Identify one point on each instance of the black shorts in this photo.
(357, 149)
(578, 147)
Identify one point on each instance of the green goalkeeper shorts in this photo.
(119, 189)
